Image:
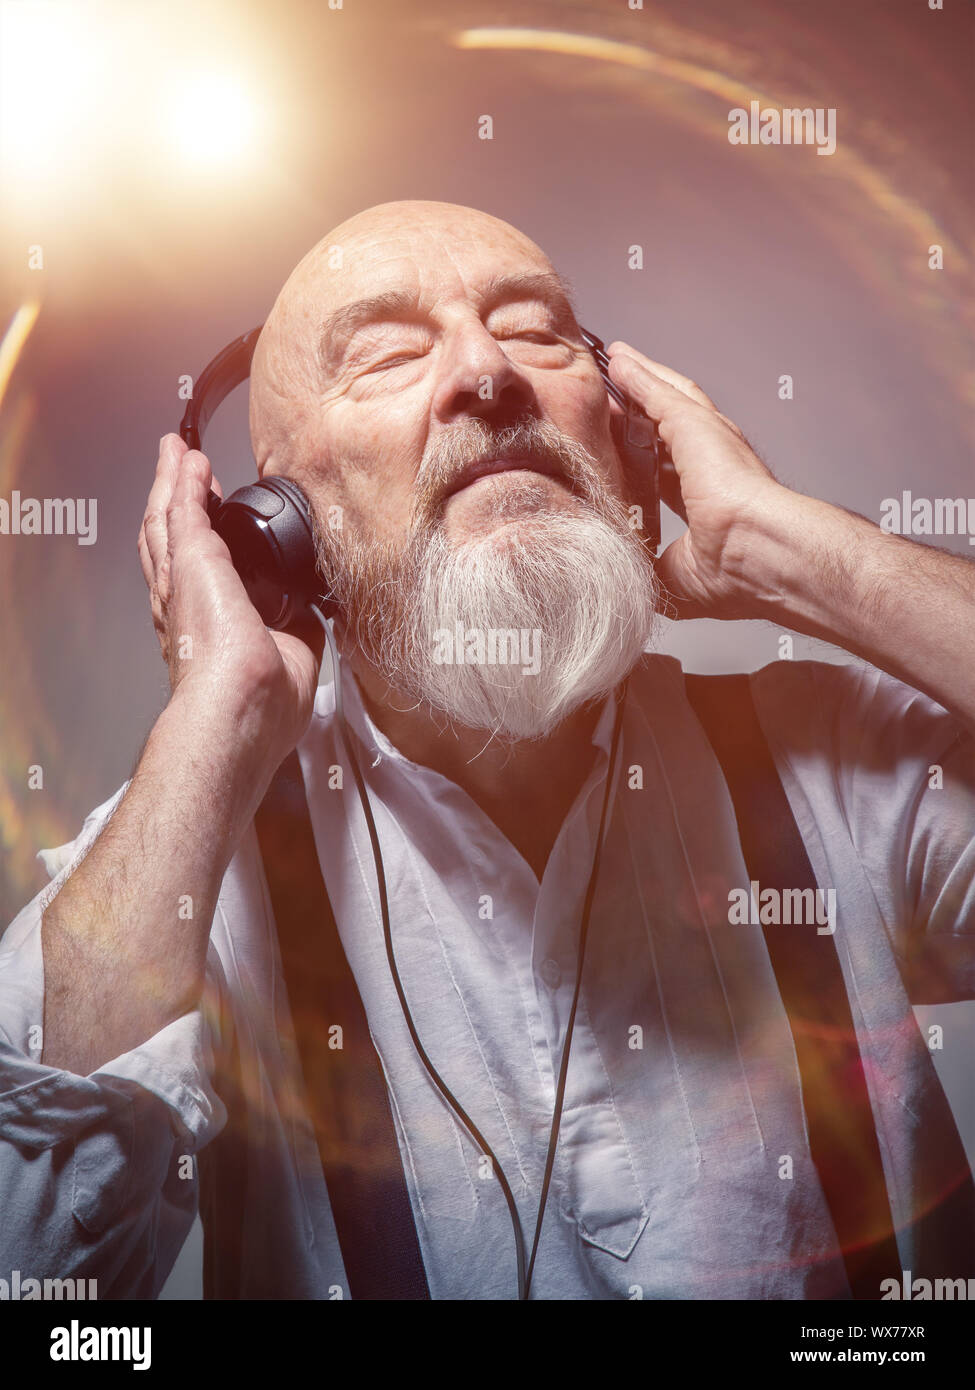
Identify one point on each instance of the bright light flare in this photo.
(53, 64)
(211, 120)
(97, 95)
(14, 341)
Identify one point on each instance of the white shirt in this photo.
(668, 1180)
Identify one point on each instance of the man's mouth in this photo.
(515, 464)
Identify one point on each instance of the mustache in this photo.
(531, 440)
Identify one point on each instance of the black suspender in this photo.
(842, 1131)
(346, 1091)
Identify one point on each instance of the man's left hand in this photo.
(756, 549)
(719, 484)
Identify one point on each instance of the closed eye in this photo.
(398, 361)
(532, 336)
(529, 335)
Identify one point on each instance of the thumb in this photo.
(673, 600)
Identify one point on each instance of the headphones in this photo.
(267, 524)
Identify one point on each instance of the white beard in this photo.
(575, 579)
(580, 589)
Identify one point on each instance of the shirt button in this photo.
(551, 973)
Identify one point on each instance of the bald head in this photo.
(400, 349)
(393, 248)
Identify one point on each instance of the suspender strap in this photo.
(839, 1118)
(347, 1097)
(223, 1179)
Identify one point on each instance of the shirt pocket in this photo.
(600, 1190)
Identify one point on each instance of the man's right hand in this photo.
(210, 634)
(122, 957)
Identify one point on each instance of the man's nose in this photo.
(480, 379)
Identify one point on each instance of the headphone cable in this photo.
(524, 1273)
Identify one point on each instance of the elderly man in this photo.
(422, 377)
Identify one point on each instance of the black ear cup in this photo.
(267, 529)
(266, 526)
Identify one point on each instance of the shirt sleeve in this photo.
(98, 1173)
(901, 771)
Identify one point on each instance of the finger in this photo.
(153, 581)
(186, 515)
(650, 391)
(733, 427)
(307, 629)
(155, 601)
(671, 601)
(670, 491)
(657, 397)
(145, 559)
(156, 577)
(665, 373)
(171, 451)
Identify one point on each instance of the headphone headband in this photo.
(215, 383)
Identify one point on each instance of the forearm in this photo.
(125, 940)
(906, 608)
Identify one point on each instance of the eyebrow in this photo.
(338, 327)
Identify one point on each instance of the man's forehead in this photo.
(402, 258)
(429, 263)
(337, 325)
